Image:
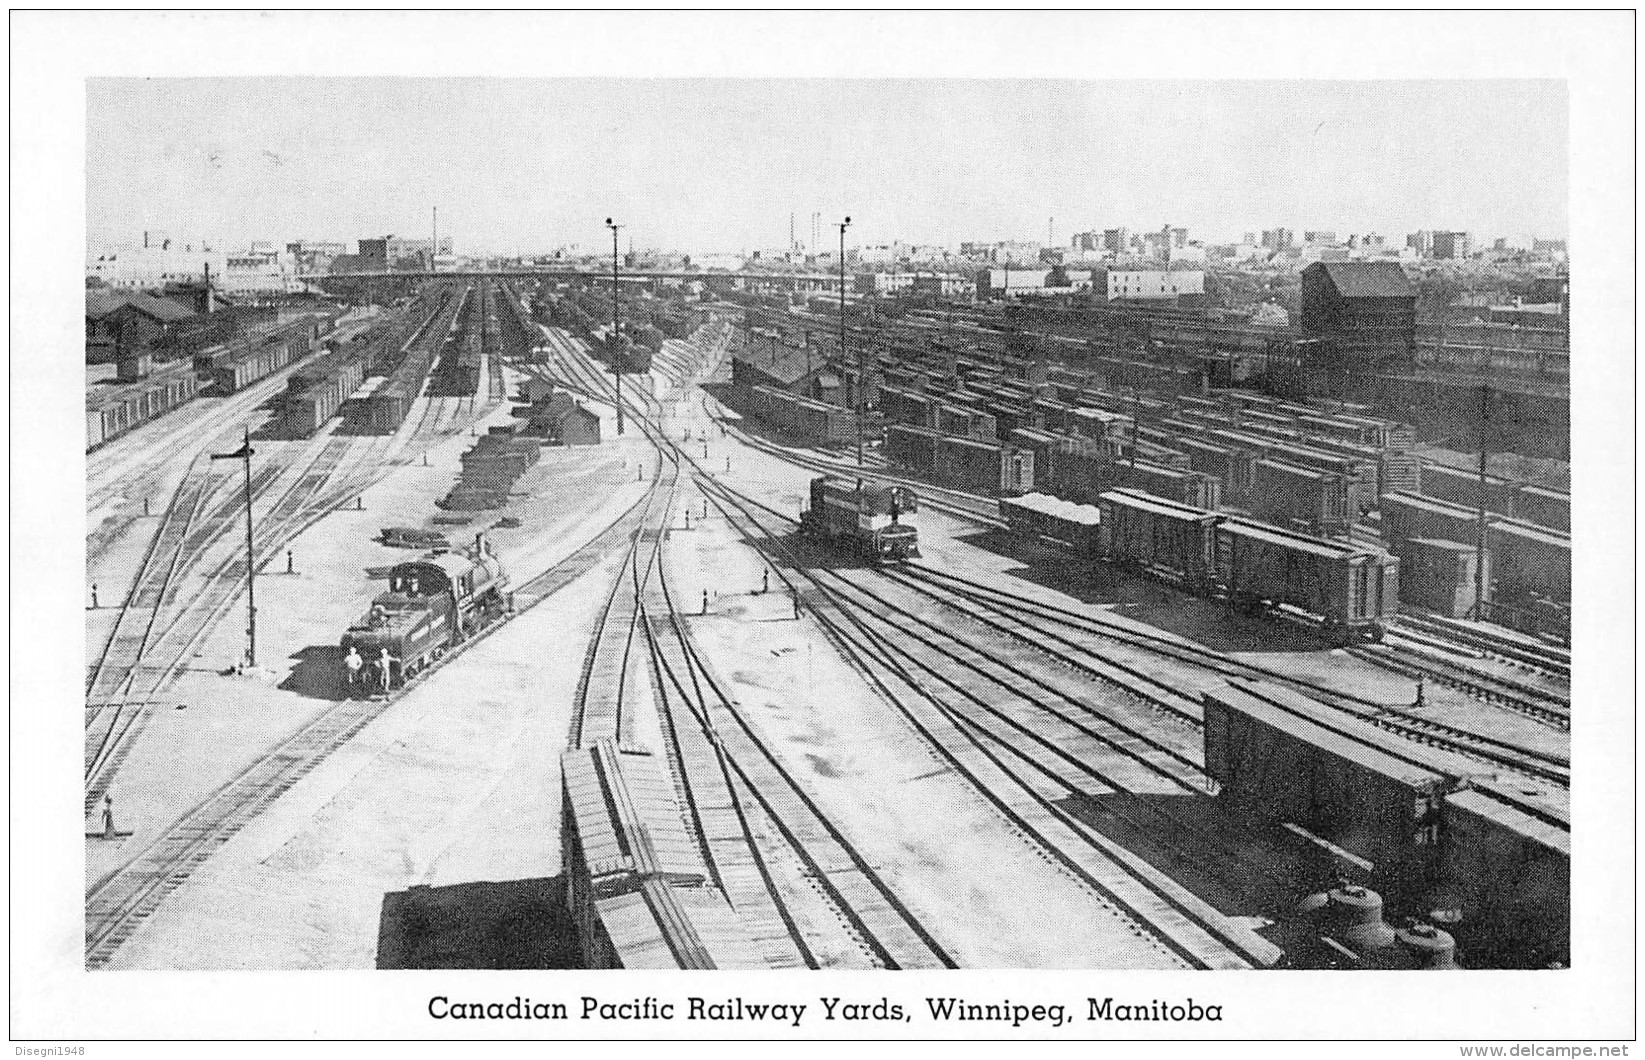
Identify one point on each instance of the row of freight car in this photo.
(802, 417)
(1444, 843)
(125, 408)
(1304, 487)
(1349, 590)
(1531, 503)
(1524, 562)
(970, 464)
(222, 370)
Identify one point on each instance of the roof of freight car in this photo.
(1086, 514)
(1132, 498)
(661, 926)
(1276, 535)
(627, 818)
(1297, 469)
(1295, 716)
(903, 428)
(1512, 818)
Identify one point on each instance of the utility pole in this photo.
(616, 351)
(843, 226)
(434, 242)
(1480, 526)
(244, 453)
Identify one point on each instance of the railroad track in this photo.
(1411, 661)
(1482, 746)
(1011, 739)
(318, 480)
(119, 902)
(730, 773)
(1543, 659)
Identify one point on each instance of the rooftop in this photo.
(1367, 279)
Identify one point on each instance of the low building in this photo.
(1124, 285)
(120, 323)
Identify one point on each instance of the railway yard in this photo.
(1167, 682)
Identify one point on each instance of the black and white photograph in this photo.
(544, 521)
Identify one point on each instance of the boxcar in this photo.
(912, 447)
(1351, 589)
(1159, 535)
(1508, 874)
(1277, 759)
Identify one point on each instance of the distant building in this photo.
(1278, 238)
(1320, 238)
(1422, 242)
(1117, 240)
(396, 252)
(1452, 245)
(1121, 285)
(1367, 309)
(1085, 242)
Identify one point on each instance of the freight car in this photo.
(432, 604)
(124, 408)
(866, 518)
(1441, 838)
(1164, 537)
(1350, 589)
(1064, 522)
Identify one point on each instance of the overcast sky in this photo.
(719, 165)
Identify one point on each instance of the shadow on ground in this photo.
(516, 924)
(317, 672)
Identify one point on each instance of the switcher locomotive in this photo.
(864, 517)
(433, 603)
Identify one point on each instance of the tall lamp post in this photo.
(843, 226)
(616, 350)
(244, 453)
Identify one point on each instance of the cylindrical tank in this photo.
(1427, 948)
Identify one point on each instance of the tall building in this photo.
(1422, 242)
(1278, 238)
(1116, 240)
(1087, 241)
(1452, 245)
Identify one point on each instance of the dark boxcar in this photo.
(911, 447)
(1160, 535)
(1276, 760)
(1353, 590)
(1509, 875)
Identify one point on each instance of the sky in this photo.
(719, 165)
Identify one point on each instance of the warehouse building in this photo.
(1367, 309)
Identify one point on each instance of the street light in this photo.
(843, 226)
(616, 350)
(245, 453)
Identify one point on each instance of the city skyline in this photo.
(926, 162)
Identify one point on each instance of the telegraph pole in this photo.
(843, 226)
(244, 453)
(1480, 527)
(616, 350)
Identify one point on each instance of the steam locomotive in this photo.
(865, 516)
(433, 603)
